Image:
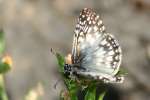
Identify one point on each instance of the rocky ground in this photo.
(32, 27)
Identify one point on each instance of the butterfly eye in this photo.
(66, 67)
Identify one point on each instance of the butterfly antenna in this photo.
(53, 51)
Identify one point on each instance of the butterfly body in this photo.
(95, 53)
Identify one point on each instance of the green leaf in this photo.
(91, 92)
(70, 84)
(73, 96)
(4, 67)
(101, 96)
(72, 88)
(60, 60)
(2, 42)
(101, 90)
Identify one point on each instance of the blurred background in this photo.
(32, 27)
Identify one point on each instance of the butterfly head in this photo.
(67, 70)
(68, 66)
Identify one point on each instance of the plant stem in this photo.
(3, 95)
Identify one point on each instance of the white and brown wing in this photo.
(95, 50)
(88, 23)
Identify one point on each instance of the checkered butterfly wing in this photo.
(96, 51)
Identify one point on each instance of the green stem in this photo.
(3, 95)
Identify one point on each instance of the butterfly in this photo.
(96, 54)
